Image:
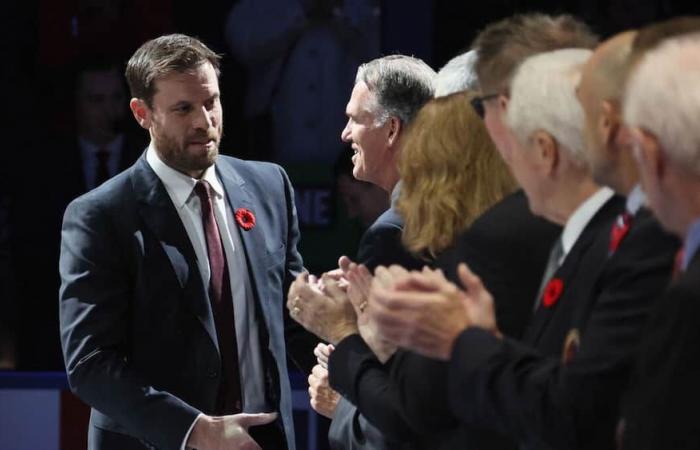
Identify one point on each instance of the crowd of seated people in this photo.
(559, 316)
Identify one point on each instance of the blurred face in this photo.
(100, 104)
(494, 119)
(369, 141)
(526, 171)
(362, 200)
(600, 161)
(185, 120)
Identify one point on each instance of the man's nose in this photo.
(203, 119)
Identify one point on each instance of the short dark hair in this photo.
(162, 56)
(401, 85)
(652, 35)
(503, 45)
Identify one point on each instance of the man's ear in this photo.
(395, 127)
(142, 113)
(609, 123)
(647, 152)
(546, 151)
(503, 101)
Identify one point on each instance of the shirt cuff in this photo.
(187, 435)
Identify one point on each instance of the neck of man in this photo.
(626, 176)
(687, 199)
(570, 195)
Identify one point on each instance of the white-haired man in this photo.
(661, 107)
(457, 75)
(557, 388)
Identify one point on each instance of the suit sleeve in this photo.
(95, 300)
(509, 386)
(381, 246)
(300, 343)
(361, 378)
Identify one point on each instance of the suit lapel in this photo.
(253, 240)
(162, 219)
(573, 264)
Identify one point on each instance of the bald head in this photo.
(600, 92)
(607, 69)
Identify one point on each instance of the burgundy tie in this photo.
(229, 398)
(619, 230)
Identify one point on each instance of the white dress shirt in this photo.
(180, 188)
(580, 218)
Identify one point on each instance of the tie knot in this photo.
(203, 190)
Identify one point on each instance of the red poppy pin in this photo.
(552, 292)
(245, 218)
(619, 230)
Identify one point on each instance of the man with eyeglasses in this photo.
(559, 386)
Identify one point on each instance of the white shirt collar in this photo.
(635, 200)
(178, 184)
(583, 214)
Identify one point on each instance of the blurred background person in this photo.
(301, 57)
(96, 146)
(364, 202)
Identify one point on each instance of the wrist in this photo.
(200, 431)
(342, 332)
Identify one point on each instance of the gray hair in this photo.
(663, 98)
(401, 86)
(543, 97)
(459, 74)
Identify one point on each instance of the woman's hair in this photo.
(450, 173)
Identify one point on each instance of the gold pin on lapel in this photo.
(571, 346)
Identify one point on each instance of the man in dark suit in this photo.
(388, 92)
(557, 387)
(98, 147)
(660, 107)
(173, 275)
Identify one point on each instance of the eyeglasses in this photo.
(478, 103)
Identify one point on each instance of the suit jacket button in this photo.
(212, 374)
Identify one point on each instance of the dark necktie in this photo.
(102, 172)
(229, 398)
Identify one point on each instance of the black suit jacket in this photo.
(508, 247)
(37, 215)
(380, 245)
(527, 389)
(136, 323)
(660, 407)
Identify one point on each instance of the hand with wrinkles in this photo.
(322, 307)
(324, 399)
(424, 312)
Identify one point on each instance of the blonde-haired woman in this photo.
(450, 174)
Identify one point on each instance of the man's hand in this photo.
(227, 432)
(359, 284)
(423, 312)
(323, 398)
(478, 301)
(322, 308)
(322, 353)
